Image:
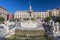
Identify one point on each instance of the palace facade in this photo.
(31, 14)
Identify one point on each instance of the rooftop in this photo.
(3, 8)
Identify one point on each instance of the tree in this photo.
(26, 19)
(32, 19)
(37, 17)
(16, 19)
(12, 19)
(47, 19)
(1, 19)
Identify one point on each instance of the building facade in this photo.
(9, 16)
(31, 14)
(54, 12)
(3, 13)
(35, 15)
(21, 14)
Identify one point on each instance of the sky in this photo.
(37, 5)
